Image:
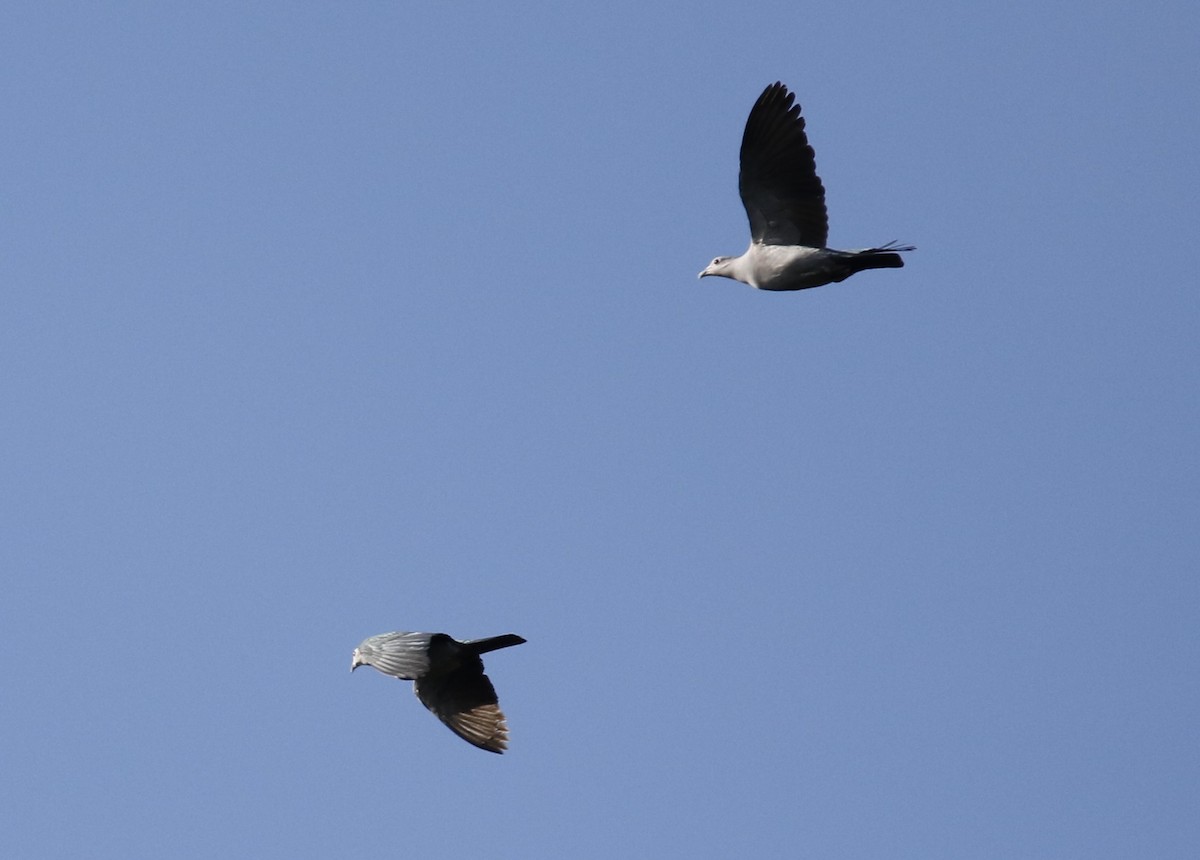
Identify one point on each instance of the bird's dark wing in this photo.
(783, 195)
(401, 655)
(465, 700)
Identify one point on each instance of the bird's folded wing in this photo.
(465, 700)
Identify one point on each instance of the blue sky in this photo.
(320, 321)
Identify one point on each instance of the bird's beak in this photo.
(354, 661)
(703, 274)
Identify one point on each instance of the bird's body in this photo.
(798, 267)
(448, 679)
(785, 202)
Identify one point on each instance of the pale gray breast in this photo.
(401, 655)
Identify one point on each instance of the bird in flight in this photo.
(785, 201)
(448, 679)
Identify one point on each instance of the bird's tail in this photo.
(493, 643)
(884, 257)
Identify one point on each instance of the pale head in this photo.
(719, 267)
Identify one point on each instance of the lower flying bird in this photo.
(785, 201)
(448, 677)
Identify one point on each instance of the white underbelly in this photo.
(788, 267)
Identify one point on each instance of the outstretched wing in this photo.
(465, 700)
(783, 195)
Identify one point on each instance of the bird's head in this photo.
(719, 267)
(356, 660)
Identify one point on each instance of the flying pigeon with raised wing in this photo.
(785, 201)
(448, 679)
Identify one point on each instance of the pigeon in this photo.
(448, 677)
(785, 201)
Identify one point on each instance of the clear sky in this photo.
(323, 320)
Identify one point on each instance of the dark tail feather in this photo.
(494, 643)
(883, 257)
(865, 261)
